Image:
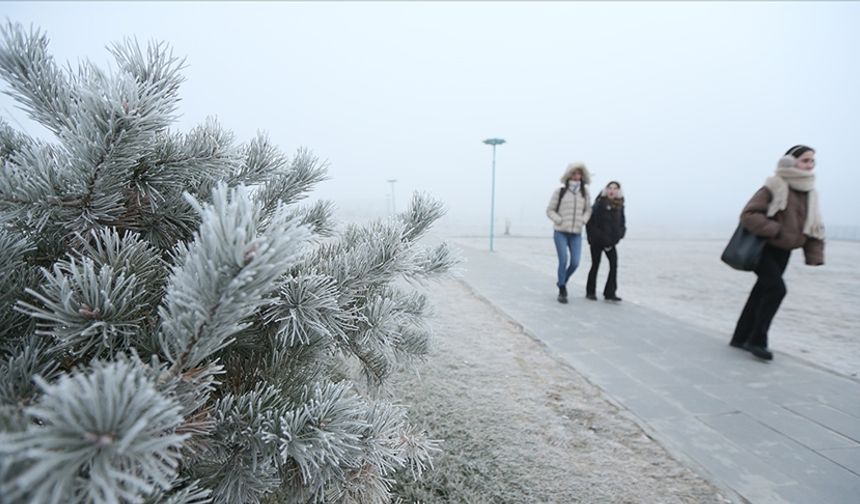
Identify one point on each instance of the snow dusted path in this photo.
(776, 432)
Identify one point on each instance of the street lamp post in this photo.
(494, 142)
(393, 206)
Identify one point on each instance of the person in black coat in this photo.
(605, 229)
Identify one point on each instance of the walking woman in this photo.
(605, 229)
(785, 211)
(569, 210)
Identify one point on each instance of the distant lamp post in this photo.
(494, 142)
(393, 206)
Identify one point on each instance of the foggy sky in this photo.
(688, 105)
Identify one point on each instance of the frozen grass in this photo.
(520, 426)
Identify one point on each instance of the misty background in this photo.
(688, 105)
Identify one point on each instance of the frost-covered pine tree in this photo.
(175, 326)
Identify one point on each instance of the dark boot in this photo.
(760, 352)
(562, 294)
(591, 296)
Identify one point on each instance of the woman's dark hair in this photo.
(798, 150)
(617, 184)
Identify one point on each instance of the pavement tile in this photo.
(693, 400)
(832, 481)
(591, 364)
(801, 429)
(647, 404)
(753, 479)
(849, 458)
(824, 387)
(698, 374)
(833, 419)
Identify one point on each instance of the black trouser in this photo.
(764, 300)
(612, 280)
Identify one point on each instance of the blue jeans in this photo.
(565, 242)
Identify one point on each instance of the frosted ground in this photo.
(521, 426)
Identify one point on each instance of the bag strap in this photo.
(560, 194)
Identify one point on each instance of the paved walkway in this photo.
(778, 432)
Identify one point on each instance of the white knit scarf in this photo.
(799, 180)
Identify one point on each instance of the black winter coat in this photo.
(607, 225)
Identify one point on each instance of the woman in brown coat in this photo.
(785, 211)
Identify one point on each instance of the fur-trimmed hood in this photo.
(572, 167)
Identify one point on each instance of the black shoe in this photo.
(612, 298)
(591, 297)
(760, 352)
(562, 294)
(737, 345)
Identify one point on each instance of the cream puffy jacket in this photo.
(573, 212)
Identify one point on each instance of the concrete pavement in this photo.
(777, 432)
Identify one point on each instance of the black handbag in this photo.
(744, 250)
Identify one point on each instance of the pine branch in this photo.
(305, 171)
(363, 257)
(321, 437)
(317, 217)
(182, 162)
(36, 82)
(15, 274)
(11, 142)
(240, 465)
(307, 308)
(128, 253)
(262, 161)
(374, 340)
(33, 193)
(389, 445)
(413, 338)
(421, 213)
(89, 308)
(181, 493)
(166, 223)
(435, 261)
(20, 360)
(108, 427)
(116, 120)
(224, 276)
(291, 368)
(157, 72)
